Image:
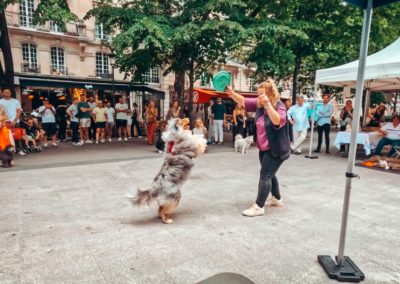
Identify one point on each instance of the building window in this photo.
(29, 57)
(102, 67)
(26, 10)
(252, 84)
(152, 76)
(100, 35)
(54, 27)
(57, 61)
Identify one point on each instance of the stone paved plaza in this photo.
(70, 223)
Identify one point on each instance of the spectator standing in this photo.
(151, 120)
(122, 109)
(13, 110)
(72, 111)
(11, 106)
(160, 143)
(298, 118)
(48, 112)
(110, 121)
(239, 123)
(92, 127)
(391, 132)
(249, 123)
(61, 118)
(346, 117)
(84, 114)
(210, 117)
(136, 121)
(219, 111)
(129, 124)
(100, 117)
(324, 114)
(175, 111)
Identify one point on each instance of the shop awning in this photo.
(202, 96)
(29, 80)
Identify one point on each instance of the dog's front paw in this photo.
(168, 221)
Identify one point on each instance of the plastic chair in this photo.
(396, 154)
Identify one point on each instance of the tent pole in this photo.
(345, 269)
(355, 127)
(310, 156)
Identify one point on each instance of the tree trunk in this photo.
(191, 84)
(7, 78)
(179, 86)
(295, 75)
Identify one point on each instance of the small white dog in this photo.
(243, 144)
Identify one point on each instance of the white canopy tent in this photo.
(382, 72)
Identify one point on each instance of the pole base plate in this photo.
(311, 157)
(348, 272)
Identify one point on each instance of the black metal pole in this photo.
(113, 84)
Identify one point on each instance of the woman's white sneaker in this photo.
(253, 211)
(274, 202)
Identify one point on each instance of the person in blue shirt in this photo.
(298, 118)
(324, 114)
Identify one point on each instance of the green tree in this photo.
(186, 37)
(47, 10)
(314, 35)
(377, 98)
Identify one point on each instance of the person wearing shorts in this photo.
(84, 113)
(122, 110)
(110, 121)
(100, 117)
(47, 111)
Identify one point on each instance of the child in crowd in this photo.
(199, 128)
(30, 135)
(160, 144)
(100, 117)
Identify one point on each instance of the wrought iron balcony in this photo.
(30, 68)
(59, 70)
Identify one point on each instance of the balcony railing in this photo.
(103, 75)
(59, 71)
(71, 29)
(30, 68)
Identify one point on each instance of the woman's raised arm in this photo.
(236, 97)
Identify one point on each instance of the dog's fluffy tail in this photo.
(141, 198)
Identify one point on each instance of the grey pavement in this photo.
(70, 223)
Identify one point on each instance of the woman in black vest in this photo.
(272, 139)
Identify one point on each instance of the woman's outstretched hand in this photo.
(229, 90)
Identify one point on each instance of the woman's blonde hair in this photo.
(271, 91)
(199, 123)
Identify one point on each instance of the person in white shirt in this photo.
(110, 121)
(122, 109)
(391, 131)
(47, 111)
(298, 117)
(12, 106)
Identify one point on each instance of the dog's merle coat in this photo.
(181, 148)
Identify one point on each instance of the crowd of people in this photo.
(88, 121)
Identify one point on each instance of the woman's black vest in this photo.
(278, 138)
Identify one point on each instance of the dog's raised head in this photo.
(174, 131)
(250, 139)
(238, 137)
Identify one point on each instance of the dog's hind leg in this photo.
(166, 212)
